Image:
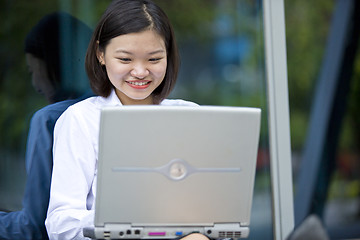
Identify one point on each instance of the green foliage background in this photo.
(307, 29)
(307, 25)
(194, 21)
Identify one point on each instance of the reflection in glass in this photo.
(222, 63)
(43, 56)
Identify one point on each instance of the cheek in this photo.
(38, 79)
(34, 79)
(160, 70)
(116, 70)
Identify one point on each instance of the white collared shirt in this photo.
(75, 154)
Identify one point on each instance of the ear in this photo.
(100, 56)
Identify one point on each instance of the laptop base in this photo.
(124, 231)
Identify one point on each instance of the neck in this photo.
(125, 100)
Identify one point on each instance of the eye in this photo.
(125, 60)
(154, 60)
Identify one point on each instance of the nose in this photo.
(139, 71)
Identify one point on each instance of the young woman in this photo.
(132, 59)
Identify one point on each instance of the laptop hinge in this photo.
(226, 225)
(244, 224)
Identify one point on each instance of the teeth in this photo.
(138, 83)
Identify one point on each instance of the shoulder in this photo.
(51, 112)
(83, 114)
(84, 107)
(178, 102)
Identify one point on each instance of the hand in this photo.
(195, 236)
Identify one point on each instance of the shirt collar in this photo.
(114, 99)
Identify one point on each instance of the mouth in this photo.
(139, 84)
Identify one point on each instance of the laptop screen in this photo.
(176, 166)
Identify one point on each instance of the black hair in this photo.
(44, 41)
(124, 17)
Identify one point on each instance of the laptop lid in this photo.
(181, 168)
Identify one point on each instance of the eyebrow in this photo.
(130, 53)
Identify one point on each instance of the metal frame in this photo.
(279, 120)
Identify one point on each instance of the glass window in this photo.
(222, 63)
(337, 198)
(42, 49)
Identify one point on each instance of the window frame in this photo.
(279, 119)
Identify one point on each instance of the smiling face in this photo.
(136, 65)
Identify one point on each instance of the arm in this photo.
(71, 196)
(29, 222)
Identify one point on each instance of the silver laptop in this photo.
(168, 171)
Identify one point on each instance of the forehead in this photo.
(146, 42)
